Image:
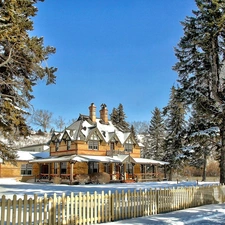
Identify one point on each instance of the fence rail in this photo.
(104, 207)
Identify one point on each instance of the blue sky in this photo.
(110, 51)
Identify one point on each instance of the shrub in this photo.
(213, 169)
(100, 178)
(57, 180)
(83, 178)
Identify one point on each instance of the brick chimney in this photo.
(104, 114)
(92, 112)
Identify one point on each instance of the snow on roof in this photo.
(85, 126)
(94, 158)
(149, 161)
(69, 158)
(26, 156)
(99, 158)
(41, 154)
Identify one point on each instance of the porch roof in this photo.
(70, 158)
(149, 161)
(103, 159)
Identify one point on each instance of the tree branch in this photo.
(7, 60)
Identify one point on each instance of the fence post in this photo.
(157, 202)
(112, 207)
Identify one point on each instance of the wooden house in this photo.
(93, 144)
(22, 170)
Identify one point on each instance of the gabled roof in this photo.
(84, 127)
(124, 158)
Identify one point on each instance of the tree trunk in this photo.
(222, 155)
(204, 167)
(170, 174)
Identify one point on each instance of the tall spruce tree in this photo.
(114, 116)
(201, 140)
(22, 64)
(174, 114)
(200, 55)
(154, 138)
(118, 118)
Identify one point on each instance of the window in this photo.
(26, 169)
(55, 168)
(63, 167)
(128, 147)
(106, 167)
(129, 168)
(92, 167)
(112, 146)
(68, 145)
(56, 146)
(93, 142)
(93, 145)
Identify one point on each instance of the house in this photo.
(22, 169)
(36, 148)
(94, 144)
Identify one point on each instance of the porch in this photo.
(121, 168)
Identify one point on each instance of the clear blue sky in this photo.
(110, 51)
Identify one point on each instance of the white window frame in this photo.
(93, 143)
(26, 169)
(68, 144)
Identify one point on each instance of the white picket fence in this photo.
(104, 207)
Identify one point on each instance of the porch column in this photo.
(39, 168)
(144, 171)
(71, 172)
(132, 170)
(49, 171)
(59, 169)
(125, 171)
(113, 171)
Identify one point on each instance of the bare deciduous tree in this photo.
(42, 118)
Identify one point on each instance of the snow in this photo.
(204, 215)
(24, 155)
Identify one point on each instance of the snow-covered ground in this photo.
(211, 214)
(9, 187)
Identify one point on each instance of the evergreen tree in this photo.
(118, 118)
(22, 61)
(114, 116)
(200, 55)
(201, 140)
(175, 124)
(155, 137)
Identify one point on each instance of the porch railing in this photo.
(116, 152)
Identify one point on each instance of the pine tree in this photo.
(118, 118)
(114, 116)
(200, 55)
(201, 140)
(22, 60)
(174, 114)
(155, 137)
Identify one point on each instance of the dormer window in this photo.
(128, 146)
(93, 143)
(68, 145)
(56, 146)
